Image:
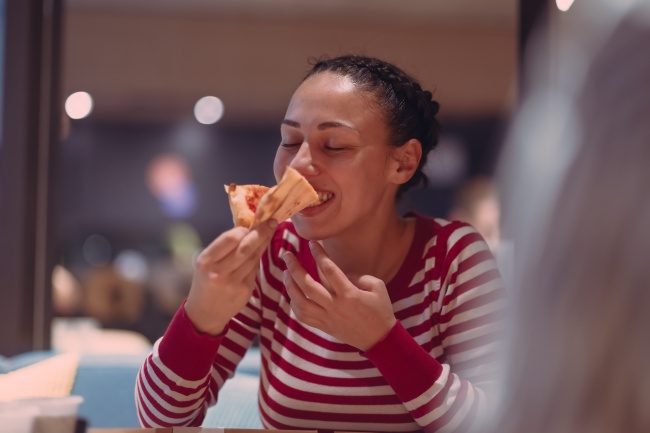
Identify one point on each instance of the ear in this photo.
(405, 160)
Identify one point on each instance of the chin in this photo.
(309, 231)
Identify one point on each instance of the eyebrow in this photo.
(322, 126)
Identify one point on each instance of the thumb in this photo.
(367, 283)
(267, 228)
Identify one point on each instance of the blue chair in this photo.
(107, 383)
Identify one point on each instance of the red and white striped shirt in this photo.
(430, 373)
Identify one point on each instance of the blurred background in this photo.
(141, 176)
(127, 118)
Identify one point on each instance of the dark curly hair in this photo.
(410, 111)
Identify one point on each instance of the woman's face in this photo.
(336, 136)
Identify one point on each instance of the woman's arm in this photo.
(204, 343)
(181, 378)
(450, 391)
(443, 377)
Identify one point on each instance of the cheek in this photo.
(280, 164)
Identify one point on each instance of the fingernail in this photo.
(273, 223)
(312, 245)
(286, 257)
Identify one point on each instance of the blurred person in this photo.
(476, 202)
(67, 294)
(88, 312)
(579, 349)
(111, 298)
(169, 179)
(367, 319)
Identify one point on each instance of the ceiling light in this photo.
(208, 110)
(79, 105)
(564, 5)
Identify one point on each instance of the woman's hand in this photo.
(354, 309)
(224, 277)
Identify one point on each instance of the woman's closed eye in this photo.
(290, 145)
(335, 148)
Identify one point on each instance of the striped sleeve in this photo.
(182, 376)
(449, 391)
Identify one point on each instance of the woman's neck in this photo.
(378, 249)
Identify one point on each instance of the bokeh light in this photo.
(564, 5)
(132, 265)
(79, 105)
(208, 110)
(97, 250)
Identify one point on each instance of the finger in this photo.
(238, 251)
(266, 231)
(308, 286)
(334, 276)
(254, 243)
(245, 263)
(267, 228)
(249, 279)
(295, 294)
(243, 272)
(223, 246)
(304, 307)
(253, 264)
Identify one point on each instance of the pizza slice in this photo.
(254, 204)
(243, 201)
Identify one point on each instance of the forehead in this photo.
(329, 94)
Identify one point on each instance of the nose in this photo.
(303, 161)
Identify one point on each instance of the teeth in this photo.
(322, 198)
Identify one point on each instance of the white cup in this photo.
(55, 406)
(17, 418)
(40, 415)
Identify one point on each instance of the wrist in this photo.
(204, 321)
(380, 336)
(185, 351)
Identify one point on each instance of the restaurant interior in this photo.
(123, 120)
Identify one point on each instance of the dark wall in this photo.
(103, 173)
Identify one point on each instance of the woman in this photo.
(367, 320)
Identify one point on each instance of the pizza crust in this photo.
(254, 204)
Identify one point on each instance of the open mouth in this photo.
(323, 197)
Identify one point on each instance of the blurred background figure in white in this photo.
(577, 170)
